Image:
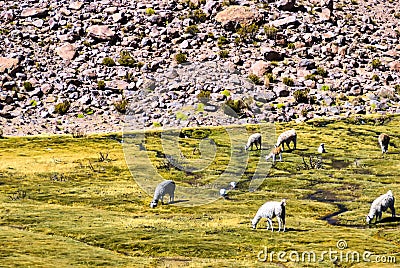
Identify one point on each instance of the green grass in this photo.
(61, 204)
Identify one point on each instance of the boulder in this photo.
(234, 16)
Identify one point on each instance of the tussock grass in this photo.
(80, 210)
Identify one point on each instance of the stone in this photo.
(234, 16)
(33, 12)
(259, 68)
(76, 5)
(66, 51)
(9, 65)
(102, 32)
(290, 20)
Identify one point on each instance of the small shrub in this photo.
(280, 106)
(157, 124)
(325, 87)
(62, 108)
(375, 77)
(88, 111)
(101, 85)
(28, 86)
(270, 77)
(223, 54)
(270, 31)
(304, 112)
(192, 29)
(322, 72)
(235, 108)
(255, 79)
(33, 103)
(274, 63)
(204, 96)
(199, 15)
(149, 11)
(200, 107)
(310, 77)
(354, 2)
(126, 59)
(107, 61)
(290, 46)
(210, 35)
(397, 88)
(221, 41)
(180, 58)
(226, 93)
(181, 116)
(247, 32)
(376, 63)
(288, 81)
(81, 116)
(121, 106)
(301, 95)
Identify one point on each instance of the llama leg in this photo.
(270, 223)
(171, 198)
(279, 223)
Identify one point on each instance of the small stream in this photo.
(330, 198)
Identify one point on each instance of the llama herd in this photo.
(272, 209)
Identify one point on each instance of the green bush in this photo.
(376, 63)
(290, 46)
(322, 72)
(325, 87)
(149, 11)
(199, 15)
(62, 107)
(121, 106)
(280, 105)
(301, 95)
(192, 29)
(126, 59)
(204, 96)
(107, 61)
(180, 58)
(247, 32)
(28, 86)
(270, 77)
(221, 41)
(375, 77)
(397, 88)
(101, 84)
(223, 54)
(181, 116)
(255, 79)
(310, 77)
(234, 108)
(270, 31)
(288, 81)
(226, 93)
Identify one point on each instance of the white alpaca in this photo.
(254, 139)
(384, 140)
(381, 204)
(165, 187)
(287, 137)
(269, 211)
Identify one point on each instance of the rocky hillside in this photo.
(68, 66)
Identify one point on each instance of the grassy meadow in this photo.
(84, 202)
